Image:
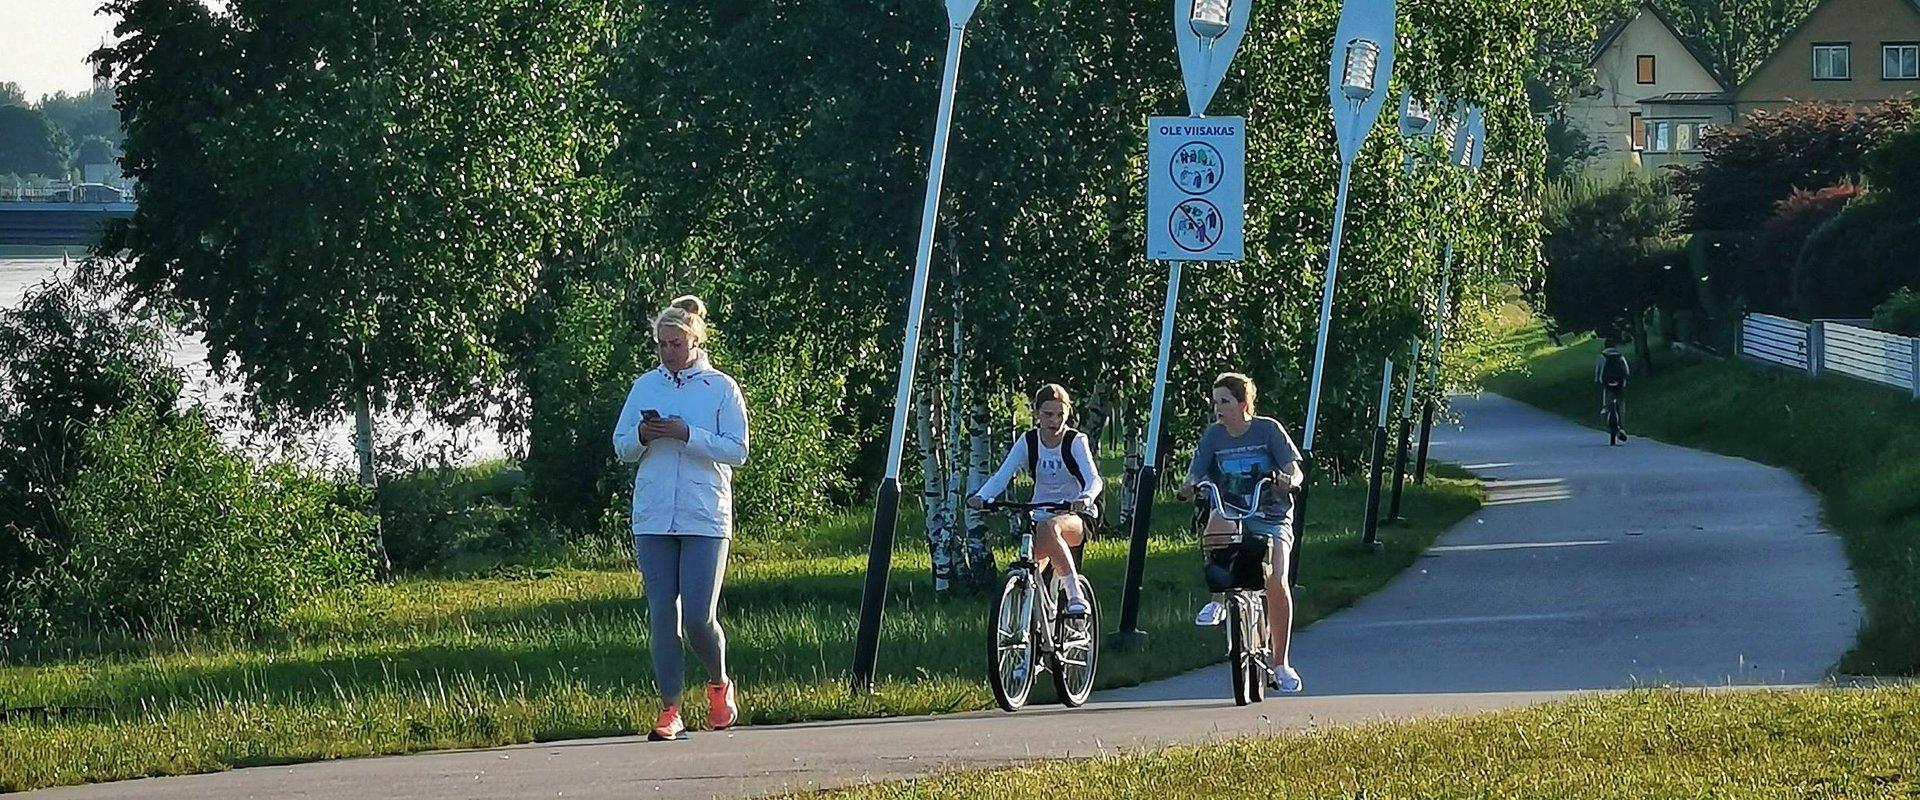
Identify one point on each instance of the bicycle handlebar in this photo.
(1213, 495)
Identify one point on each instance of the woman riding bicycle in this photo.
(1237, 445)
(1063, 471)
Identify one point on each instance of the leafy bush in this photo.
(799, 462)
(1748, 170)
(1899, 314)
(434, 518)
(1767, 279)
(1855, 261)
(66, 361)
(174, 531)
(1608, 249)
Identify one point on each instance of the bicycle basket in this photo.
(1236, 560)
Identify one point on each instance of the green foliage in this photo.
(67, 362)
(11, 94)
(1766, 277)
(1567, 150)
(446, 518)
(1854, 261)
(173, 531)
(94, 150)
(1604, 246)
(1899, 314)
(87, 115)
(1748, 170)
(798, 469)
(29, 144)
(1735, 37)
(766, 180)
(369, 187)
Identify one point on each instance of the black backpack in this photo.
(1614, 369)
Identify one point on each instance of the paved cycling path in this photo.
(1590, 568)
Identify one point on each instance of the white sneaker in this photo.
(1285, 680)
(1210, 615)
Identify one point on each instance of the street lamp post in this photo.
(1469, 152)
(1209, 34)
(1357, 78)
(866, 646)
(1417, 125)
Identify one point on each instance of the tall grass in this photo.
(1645, 745)
(532, 653)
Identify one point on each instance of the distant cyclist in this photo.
(1063, 471)
(1611, 372)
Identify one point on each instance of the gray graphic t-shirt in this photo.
(1236, 463)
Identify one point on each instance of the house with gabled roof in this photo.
(1637, 59)
(1859, 52)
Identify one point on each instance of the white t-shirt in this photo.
(1052, 482)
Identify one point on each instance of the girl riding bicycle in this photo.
(1237, 445)
(1063, 471)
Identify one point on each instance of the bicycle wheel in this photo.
(1261, 651)
(1076, 651)
(1010, 642)
(1238, 648)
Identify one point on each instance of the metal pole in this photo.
(1433, 368)
(866, 647)
(1130, 634)
(1400, 453)
(1372, 522)
(1319, 368)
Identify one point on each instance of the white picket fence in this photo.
(1830, 345)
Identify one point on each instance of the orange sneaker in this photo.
(721, 710)
(669, 728)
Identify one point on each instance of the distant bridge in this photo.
(28, 223)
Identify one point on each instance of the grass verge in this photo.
(1651, 744)
(1856, 444)
(542, 654)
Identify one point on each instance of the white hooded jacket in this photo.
(684, 488)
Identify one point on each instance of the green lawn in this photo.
(1650, 745)
(540, 654)
(1856, 444)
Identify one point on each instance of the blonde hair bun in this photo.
(690, 304)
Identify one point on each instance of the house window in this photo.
(1643, 69)
(1686, 135)
(1832, 62)
(1658, 137)
(1900, 61)
(1637, 130)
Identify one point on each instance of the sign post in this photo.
(1196, 211)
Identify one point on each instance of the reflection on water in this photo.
(328, 446)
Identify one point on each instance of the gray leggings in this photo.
(681, 576)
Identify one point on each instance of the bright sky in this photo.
(44, 44)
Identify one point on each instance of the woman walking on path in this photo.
(686, 425)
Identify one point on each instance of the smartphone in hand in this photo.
(649, 415)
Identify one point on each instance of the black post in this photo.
(1400, 467)
(1144, 489)
(1426, 430)
(873, 599)
(1372, 524)
(1300, 519)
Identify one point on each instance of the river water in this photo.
(328, 446)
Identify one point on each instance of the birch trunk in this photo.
(979, 546)
(933, 496)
